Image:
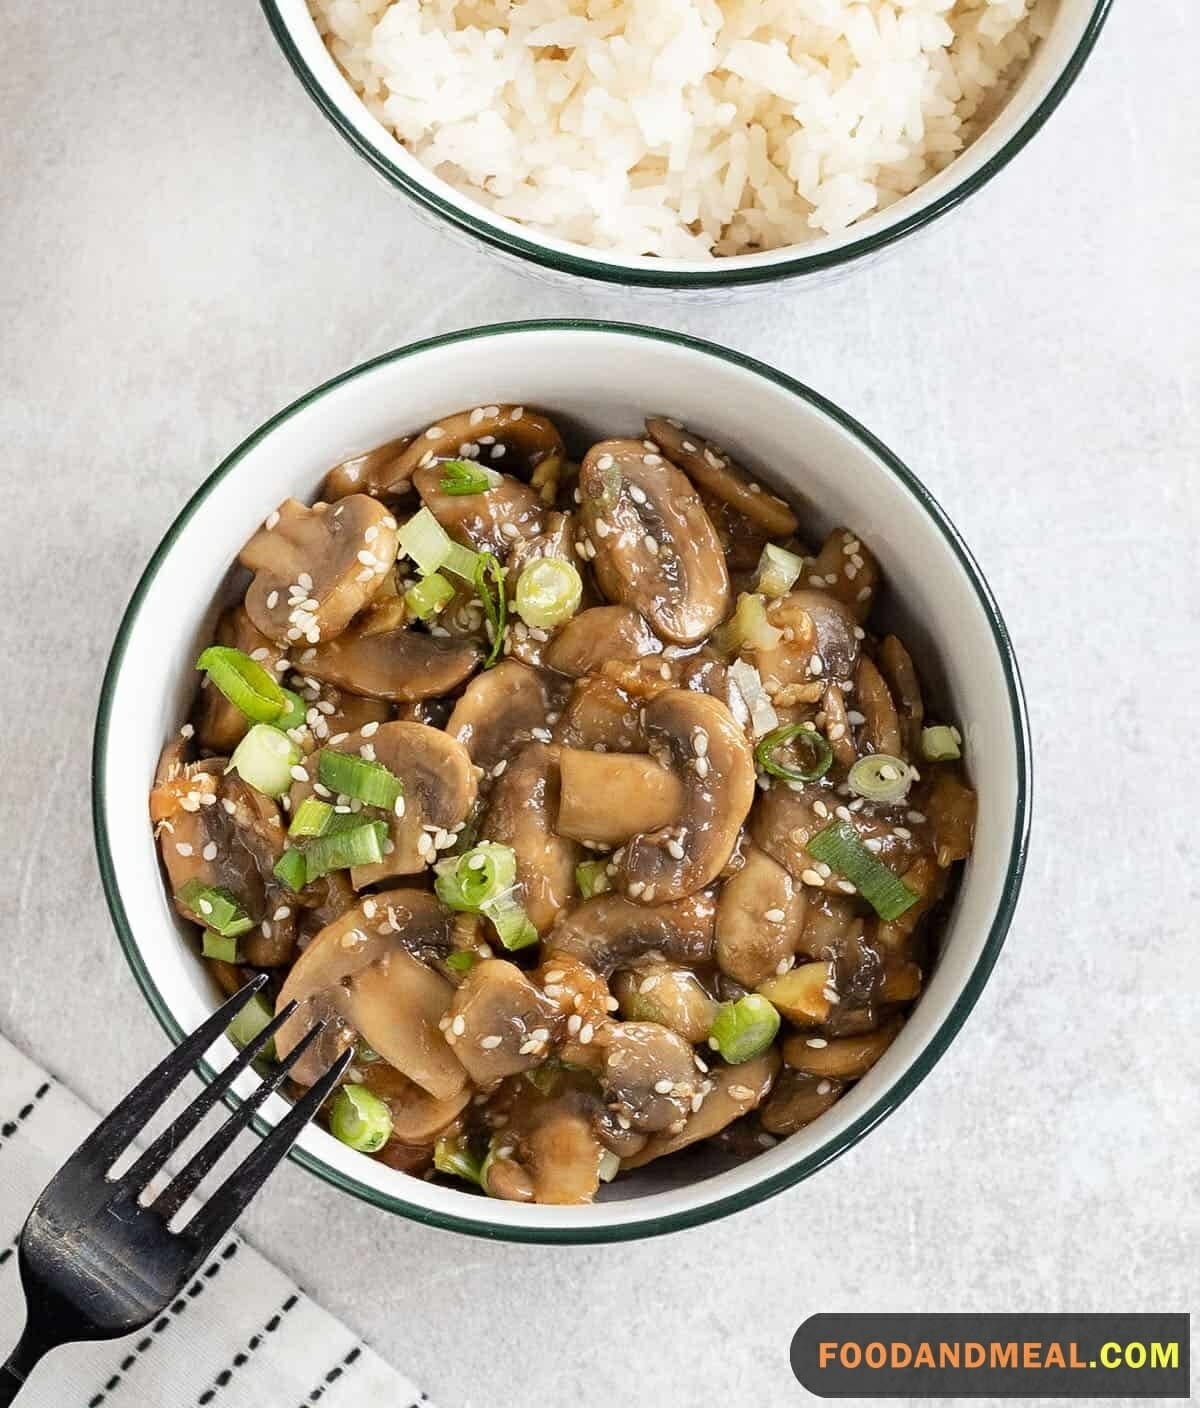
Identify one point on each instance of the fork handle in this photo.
(19, 1365)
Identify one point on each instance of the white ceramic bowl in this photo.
(1053, 69)
(597, 379)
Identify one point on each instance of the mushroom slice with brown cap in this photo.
(650, 542)
(607, 798)
(842, 1058)
(897, 668)
(360, 977)
(668, 994)
(375, 472)
(713, 471)
(874, 700)
(610, 932)
(591, 639)
(797, 1100)
(650, 1075)
(602, 716)
(499, 1023)
(499, 711)
(402, 665)
(316, 568)
(220, 725)
(710, 754)
(333, 713)
(760, 914)
(417, 1118)
(439, 783)
(819, 645)
(848, 570)
(510, 438)
(492, 521)
(522, 813)
(734, 1092)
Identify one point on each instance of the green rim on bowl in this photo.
(723, 274)
(766, 1187)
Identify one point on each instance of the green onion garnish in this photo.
(744, 1028)
(428, 596)
(249, 1022)
(341, 850)
(593, 878)
(489, 583)
(295, 714)
(777, 571)
(461, 960)
(941, 743)
(360, 1119)
(464, 477)
(839, 847)
(451, 1155)
(548, 592)
(467, 882)
(349, 775)
(463, 562)
(216, 908)
(291, 870)
(424, 540)
(815, 753)
(880, 778)
(311, 818)
(511, 922)
(245, 683)
(221, 947)
(265, 759)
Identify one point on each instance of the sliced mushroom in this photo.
(797, 1100)
(928, 881)
(439, 791)
(882, 726)
(897, 668)
(609, 932)
(760, 915)
(376, 472)
(594, 637)
(735, 1091)
(784, 821)
(830, 921)
(522, 813)
(805, 995)
(316, 568)
(607, 798)
(650, 543)
(511, 438)
(650, 1075)
(499, 1023)
(836, 725)
(842, 1058)
(492, 521)
(602, 716)
(220, 725)
(359, 976)
(548, 1143)
(709, 467)
(710, 753)
(818, 646)
(417, 1118)
(668, 994)
(847, 570)
(951, 807)
(333, 713)
(403, 665)
(499, 711)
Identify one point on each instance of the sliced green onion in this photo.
(466, 477)
(748, 627)
(341, 850)
(548, 592)
(463, 562)
(813, 748)
(545, 1078)
(349, 775)
(295, 714)
(429, 596)
(839, 847)
(941, 743)
(424, 540)
(511, 922)
(265, 759)
(244, 682)
(360, 1119)
(216, 908)
(220, 946)
(483, 873)
(744, 1028)
(593, 878)
(311, 818)
(461, 960)
(451, 1155)
(291, 870)
(777, 571)
(366, 1055)
(489, 583)
(880, 778)
(249, 1022)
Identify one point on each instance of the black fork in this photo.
(95, 1262)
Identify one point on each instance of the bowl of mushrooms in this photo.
(600, 732)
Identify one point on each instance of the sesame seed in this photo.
(210, 851)
(662, 1087)
(774, 916)
(810, 877)
(272, 600)
(701, 766)
(458, 1026)
(574, 1022)
(816, 665)
(605, 462)
(916, 817)
(651, 545)
(649, 984)
(846, 887)
(489, 1043)
(183, 848)
(824, 1088)
(586, 1032)
(783, 966)
(903, 832)
(821, 809)
(272, 520)
(741, 1092)
(435, 432)
(298, 773)
(873, 844)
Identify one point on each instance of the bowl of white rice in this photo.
(687, 143)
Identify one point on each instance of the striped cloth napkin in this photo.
(208, 1347)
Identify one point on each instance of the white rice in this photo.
(684, 128)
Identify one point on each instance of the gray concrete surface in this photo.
(185, 247)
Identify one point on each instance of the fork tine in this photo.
(184, 1184)
(114, 1134)
(225, 1206)
(172, 1137)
